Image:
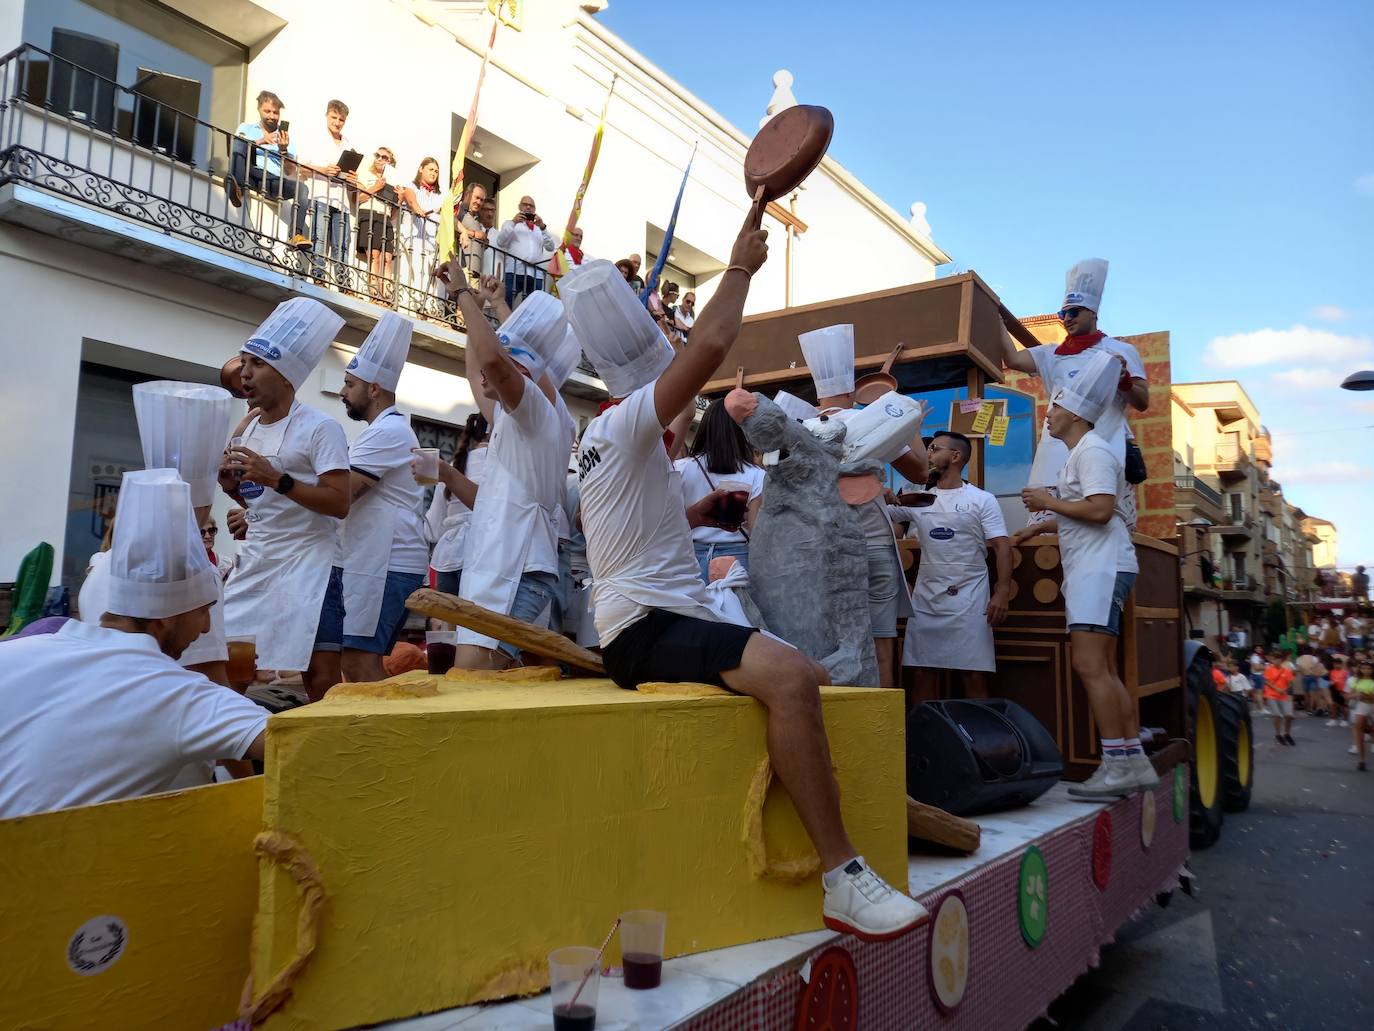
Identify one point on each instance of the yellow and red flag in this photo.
(558, 264)
(448, 211)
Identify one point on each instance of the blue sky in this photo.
(1219, 154)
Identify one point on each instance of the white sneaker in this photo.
(1330, 723)
(1146, 779)
(1114, 778)
(1345, 723)
(1350, 750)
(863, 904)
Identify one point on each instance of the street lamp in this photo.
(1359, 381)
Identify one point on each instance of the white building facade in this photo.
(124, 259)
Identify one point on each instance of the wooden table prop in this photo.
(493, 624)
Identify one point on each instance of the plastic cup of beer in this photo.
(243, 659)
(641, 947)
(441, 647)
(568, 968)
(426, 464)
(735, 505)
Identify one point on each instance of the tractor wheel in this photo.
(1204, 808)
(1237, 751)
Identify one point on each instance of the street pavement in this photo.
(1280, 931)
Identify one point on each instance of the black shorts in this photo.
(376, 232)
(665, 646)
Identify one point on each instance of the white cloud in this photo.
(1333, 473)
(1330, 313)
(1309, 378)
(1266, 346)
(1365, 183)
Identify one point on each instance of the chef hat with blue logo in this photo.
(158, 565)
(1093, 386)
(621, 338)
(534, 332)
(184, 426)
(383, 354)
(1084, 283)
(294, 338)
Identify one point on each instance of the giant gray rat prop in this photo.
(808, 569)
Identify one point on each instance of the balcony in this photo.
(1241, 588)
(1192, 492)
(1231, 462)
(1239, 526)
(109, 169)
(1264, 448)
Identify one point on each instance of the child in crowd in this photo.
(1236, 681)
(1340, 704)
(1278, 681)
(1362, 707)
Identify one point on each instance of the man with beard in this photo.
(383, 539)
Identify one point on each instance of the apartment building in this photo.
(127, 258)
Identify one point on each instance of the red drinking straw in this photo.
(597, 966)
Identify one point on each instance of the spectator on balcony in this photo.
(526, 240)
(1359, 585)
(686, 313)
(636, 283)
(472, 233)
(626, 269)
(663, 307)
(329, 219)
(266, 162)
(422, 198)
(492, 265)
(378, 210)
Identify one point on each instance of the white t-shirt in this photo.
(320, 150)
(448, 519)
(1257, 663)
(1239, 683)
(94, 715)
(382, 453)
(1057, 371)
(984, 505)
(639, 546)
(695, 486)
(1094, 469)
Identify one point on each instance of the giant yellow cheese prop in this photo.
(460, 838)
(130, 914)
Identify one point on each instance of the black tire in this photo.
(1237, 751)
(1204, 795)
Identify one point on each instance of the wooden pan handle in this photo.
(756, 218)
(739, 377)
(892, 358)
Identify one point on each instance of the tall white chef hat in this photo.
(158, 565)
(829, 354)
(184, 426)
(794, 407)
(1092, 385)
(534, 332)
(620, 337)
(1084, 284)
(565, 359)
(294, 337)
(383, 354)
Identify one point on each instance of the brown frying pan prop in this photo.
(875, 385)
(231, 376)
(785, 151)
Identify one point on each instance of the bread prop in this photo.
(536, 640)
(387, 689)
(518, 675)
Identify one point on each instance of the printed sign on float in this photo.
(1000, 424)
(984, 416)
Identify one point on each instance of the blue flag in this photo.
(667, 247)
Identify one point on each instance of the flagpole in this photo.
(556, 263)
(448, 235)
(667, 246)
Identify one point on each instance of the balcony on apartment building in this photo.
(113, 168)
(1241, 587)
(1191, 492)
(1231, 461)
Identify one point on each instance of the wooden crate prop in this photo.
(460, 838)
(132, 914)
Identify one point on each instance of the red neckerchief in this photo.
(574, 252)
(668, 435)
(1080, 343)
(213, 560)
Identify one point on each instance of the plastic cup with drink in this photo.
(641, 947)
(243, 660)
(426, 464)
(574, 978)
(734, 504)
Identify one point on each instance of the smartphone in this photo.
(285, 126)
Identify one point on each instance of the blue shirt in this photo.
(267, 158)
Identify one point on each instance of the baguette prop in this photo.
(930, 823)
(493, 624)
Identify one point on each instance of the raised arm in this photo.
(715, 331)
(1014, 357)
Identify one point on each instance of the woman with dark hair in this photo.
(721, 460)
(446, 523)
(420, 226)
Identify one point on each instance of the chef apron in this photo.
(277, 588)
(505, 522)
(950, 628)
(367, 535)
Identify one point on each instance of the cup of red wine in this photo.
(733, 505)
(641, 947)
(574, 978)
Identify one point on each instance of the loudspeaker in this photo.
(978, 755)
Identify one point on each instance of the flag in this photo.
(557, 265)
(663, 251)
(448, 234)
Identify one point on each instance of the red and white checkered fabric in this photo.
(1010, 984)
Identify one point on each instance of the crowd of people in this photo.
(1323, 669)
(632, 538)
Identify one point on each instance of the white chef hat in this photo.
(294, 337)
(620, 337)
(383, 354)
(184, 426)
(1084, 284)
(565, 359)
(534, 332)
(1091, 387)
(158, 565)
(829, 354)
(794, 407)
